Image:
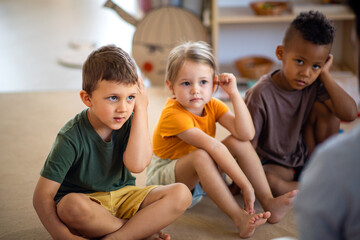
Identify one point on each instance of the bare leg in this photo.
(321, 125)
(250, 163)
(281, 179)
(198, 165)
(162, 206)
(86, 217)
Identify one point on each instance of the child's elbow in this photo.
(249, 135)
(252, 134)
(139, 165)
(350, 116)
(137, 170)
(354, 114)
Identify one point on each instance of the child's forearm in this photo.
(228, 164)
(344, 105)
(244, 125)
(139, 150)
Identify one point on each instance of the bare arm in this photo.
(240, 124)
(138, 152)
(45, 207)
(340, 103)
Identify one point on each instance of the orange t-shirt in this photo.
(174, 119)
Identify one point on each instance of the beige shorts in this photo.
(124, 202)
(160, 171)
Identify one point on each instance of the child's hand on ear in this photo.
(328, 63)
(227, 81)
(141, 100)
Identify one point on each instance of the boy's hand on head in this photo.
(227, 81)
(328, 64)
(141, 98)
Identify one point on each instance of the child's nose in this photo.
(305, 71)
(195, 89)
(121, 107)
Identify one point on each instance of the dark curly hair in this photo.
(313, 26)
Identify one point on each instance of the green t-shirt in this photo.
(82, 162)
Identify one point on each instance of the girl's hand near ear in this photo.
(227, 81)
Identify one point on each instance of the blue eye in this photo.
(185, 83)
(202, 82)
(113, 98)
(130, 98)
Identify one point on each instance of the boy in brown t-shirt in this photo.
(300, 105)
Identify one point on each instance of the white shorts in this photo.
(160, 171)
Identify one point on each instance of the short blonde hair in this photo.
(199, 52)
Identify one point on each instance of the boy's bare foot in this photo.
(159, 236)
(280, 206)
(251, 222)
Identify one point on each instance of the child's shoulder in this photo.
(263, 85)
(73, 123)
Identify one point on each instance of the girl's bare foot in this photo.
(280, 206)
(250, 222)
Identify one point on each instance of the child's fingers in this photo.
(140, 84)
(226, 77)
(249, 208)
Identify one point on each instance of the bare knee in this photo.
(323, 121)
(201, 157)
(321, 112)
(74, 209)
(181, 195)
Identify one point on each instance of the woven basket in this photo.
(253, 67)
(268, 7)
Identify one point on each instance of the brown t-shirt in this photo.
(279, 117)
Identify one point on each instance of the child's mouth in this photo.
(300, 83)
(118, 119)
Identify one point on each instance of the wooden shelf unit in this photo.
(244, 15)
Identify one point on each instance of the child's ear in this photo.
(85, 98)
(279, 52)
(169, 85)
(215, 83)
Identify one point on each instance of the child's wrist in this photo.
(234, 95)
(324, 75)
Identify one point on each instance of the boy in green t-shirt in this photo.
(86, 189)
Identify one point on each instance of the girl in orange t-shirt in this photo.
(186, 150)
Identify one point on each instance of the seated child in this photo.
(298, 106)
(186, 150)
(86, 189)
